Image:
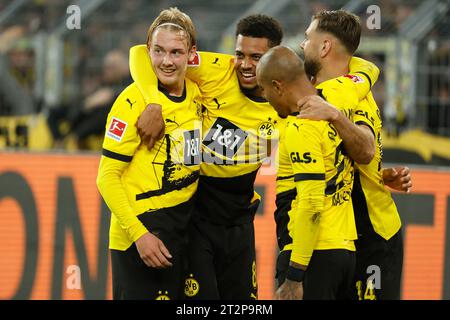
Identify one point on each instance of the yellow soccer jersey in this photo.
(164, 177)
(363, 74)
(372, 197)
(237, 128)
(238, 133)
(342, 93)
(323, 214)
(287, 202)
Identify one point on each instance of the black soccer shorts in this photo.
(329, 275)
(221, 262)
(379, 265)
(132, 279)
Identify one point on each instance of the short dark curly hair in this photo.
(261, 26)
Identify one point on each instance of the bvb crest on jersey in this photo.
(191, 286)
(267, 128)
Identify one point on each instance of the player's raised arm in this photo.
(142, 73)
(364, 74)
(150, 124)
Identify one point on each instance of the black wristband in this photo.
(295, 274)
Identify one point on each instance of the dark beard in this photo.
(252, 93)
(312, 68)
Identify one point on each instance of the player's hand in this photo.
(398, 178)
(290, 290)
(150, 125)
(153, 251)
(316, 108)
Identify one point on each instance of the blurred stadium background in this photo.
(57, 84)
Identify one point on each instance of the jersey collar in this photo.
(172, 98)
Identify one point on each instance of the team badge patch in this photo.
(266, 129)
(195, 62)
(116, 129)
(355, 79)
(191, 287)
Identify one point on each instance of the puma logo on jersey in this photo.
(131, 103)
(216, 61)
(116, 129)
(218, 103)
(172, 121)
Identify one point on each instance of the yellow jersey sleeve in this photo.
(211, 72)
(364, 74)
(342, 93)
(304, 146)
(110, 185)
(121, 136)
(365, 114)
(119, 145)
(140, 65)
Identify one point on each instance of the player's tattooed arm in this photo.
(359, 140)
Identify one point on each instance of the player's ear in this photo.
(277, 87)
(192, 53)
(326, 48)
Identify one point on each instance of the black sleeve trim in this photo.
(366, 124)
(367, 76)
(117, 156)
(309, 176)
(284, 178)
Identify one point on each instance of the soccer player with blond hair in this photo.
(150, 192)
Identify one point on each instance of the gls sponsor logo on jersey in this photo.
(116, 129)
(365, 114)
(305, 158)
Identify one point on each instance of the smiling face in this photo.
(248, 52)
(170, 53)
